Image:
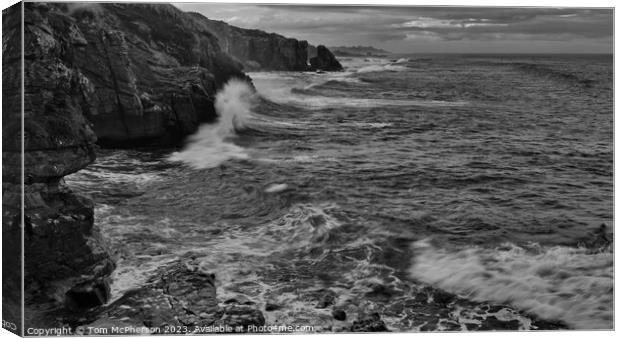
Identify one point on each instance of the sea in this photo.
(484, 177)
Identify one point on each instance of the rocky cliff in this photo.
(256, 49)
(66, 263)
(151, 71)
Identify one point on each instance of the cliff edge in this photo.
(256, 49)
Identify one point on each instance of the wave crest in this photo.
(560, 283)
(211, 145)
(382, 68)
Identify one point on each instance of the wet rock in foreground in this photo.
(180, 299)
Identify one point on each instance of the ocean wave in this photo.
(318, 102)
(298, 91)
(211, 145)
(562, 283)
(368, 125)
(382, 68)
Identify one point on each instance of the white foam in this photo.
(211, 145)
(276, 188)
(561, 283)
(382, 68)
(368, 125)
(276, 87)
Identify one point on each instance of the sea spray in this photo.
(212, 145)
(558, 283)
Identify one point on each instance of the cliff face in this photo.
(150, 72)
(66, 264)
(256, 49)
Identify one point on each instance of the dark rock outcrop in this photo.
(66, 263)
(325, 60)
(258, 49)
(180, 295)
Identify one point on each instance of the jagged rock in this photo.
(325, 60)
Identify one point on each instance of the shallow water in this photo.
(480, 175)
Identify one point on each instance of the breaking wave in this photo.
(288, 90)
(212, 145)
(382, 68)
(557, 283)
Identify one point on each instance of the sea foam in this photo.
(556, 283)
(382, 68)
(211, 145)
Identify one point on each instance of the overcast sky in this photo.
(428, 29)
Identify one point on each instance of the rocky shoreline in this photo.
(127, 75)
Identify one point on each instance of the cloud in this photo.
(402, 28)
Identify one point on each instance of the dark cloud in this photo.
(428, 29)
